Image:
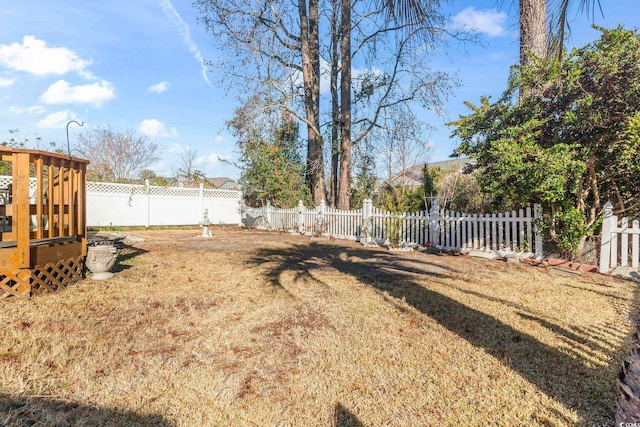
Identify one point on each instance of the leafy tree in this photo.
(364, 182)
(271, 166)
(571, 142)
(14, 140)
(148, 174)
(428, 184)
(115, 156)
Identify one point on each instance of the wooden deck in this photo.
(42, 222)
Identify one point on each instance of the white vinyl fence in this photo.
(513, 231)
(620, 244)
(110, 204)
(146, 205)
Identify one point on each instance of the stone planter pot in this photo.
(100, 260)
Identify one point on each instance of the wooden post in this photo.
(605, 239)
(50, 200)
(70, 201)
(39, 198)
(21, 217)
(82, 206)
(61, 174)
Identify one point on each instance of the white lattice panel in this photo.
(174, 191)
(5, 181)
(111, 188)
(222, 194)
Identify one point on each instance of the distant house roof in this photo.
(413, 175)
(223, 183)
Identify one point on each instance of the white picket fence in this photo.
(617, 253)
(513, 231)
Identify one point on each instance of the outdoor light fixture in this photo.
(68, 146)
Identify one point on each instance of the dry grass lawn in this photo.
(251, 329)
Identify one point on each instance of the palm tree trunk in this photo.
(533, 30)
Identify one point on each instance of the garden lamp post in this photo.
(68, 146)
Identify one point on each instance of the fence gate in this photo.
(620, 245)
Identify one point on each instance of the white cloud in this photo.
(215, 164)
(34, 109)
(174, 147)
(6, 82)
(209, 161)
(490, 22)
(159, 87)
(57, 120)
(61, 92)
(183, 29)
(155, 128)
(33, 56)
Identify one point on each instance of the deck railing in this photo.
(35, 218)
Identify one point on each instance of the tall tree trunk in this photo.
(344, 191)
(310, 52)
(533, 30)
(335, 103)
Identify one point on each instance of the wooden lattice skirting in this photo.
(41, 279)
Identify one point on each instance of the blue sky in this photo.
(139, 65)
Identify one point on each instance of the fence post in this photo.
(301, 224)
(366, 222)
(148, 193)
(201, 194)
(605, 239)
(269, 214)
(537, 229)
(434, 226)
(322, 220)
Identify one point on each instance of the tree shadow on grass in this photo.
(566, 377)
(126, 253)
(31, 410)
(342, 417)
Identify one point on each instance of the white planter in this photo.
(100, 260)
